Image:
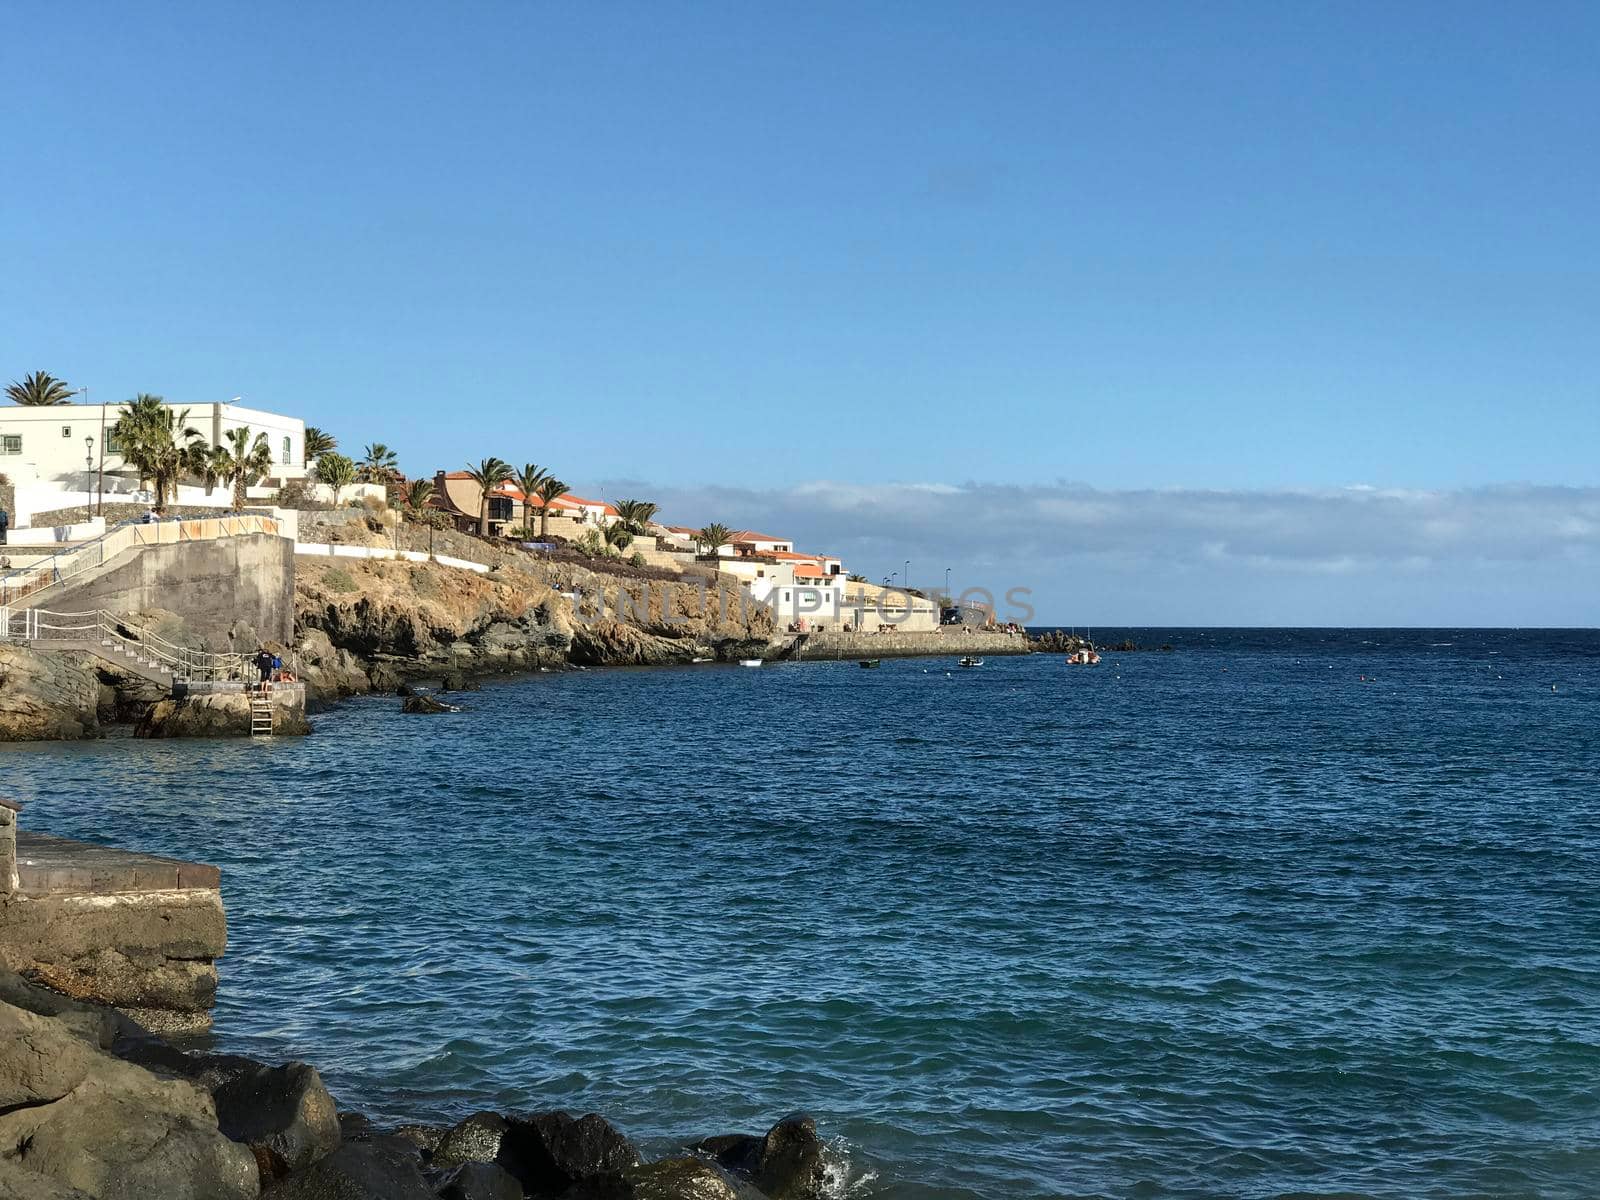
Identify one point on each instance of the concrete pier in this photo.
(139, 932)
(949, 640)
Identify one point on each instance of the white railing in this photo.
(61, 566)
(103, 631)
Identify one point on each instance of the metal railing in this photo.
(102, 631)
(63, 564)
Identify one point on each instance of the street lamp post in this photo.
(906, 579)
(948, 599)
(88, 468)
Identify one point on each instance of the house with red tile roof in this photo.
(458, 494)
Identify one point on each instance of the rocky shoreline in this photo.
(371, 626)
(95, 1107)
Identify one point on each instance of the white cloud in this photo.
(1147, 539)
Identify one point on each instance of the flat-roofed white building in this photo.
(56, 455)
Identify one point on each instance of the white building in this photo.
(748, 541)
(58, 456)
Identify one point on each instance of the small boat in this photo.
(970, 662)
(869, 662)
(702, 660)
(750, 662)
(1083, 658)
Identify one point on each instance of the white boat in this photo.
(701, 660)
(749, 662)
(1083, 658)
(970, 662)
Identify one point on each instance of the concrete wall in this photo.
(233, 584)
(945, 641)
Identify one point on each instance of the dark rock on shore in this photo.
(426, 704)
(669, 1179)
(282, 1113)
(550, 1152)
(376, 1169)
(92, 1107)
(477, 1181)
(473, 1139)
(787, 1164)
(73, 1116)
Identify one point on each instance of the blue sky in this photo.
(1166, 249)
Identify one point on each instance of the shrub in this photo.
(339, 580)
(297, 494)
(636, 559)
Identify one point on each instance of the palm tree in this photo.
(317, 444)
(39, 389)
(337, 471)
(551, 490)
(379, 466)
(856, 578)
(635, 515)
(159, 442)
(618, 537)
(528, 481)
(416, 498)
(209, 464)
(134, 427)
(167, 453)
(489, 475)
(243, 461)
(713, 537)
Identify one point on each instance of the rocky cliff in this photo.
(371, 624)
(46, 696)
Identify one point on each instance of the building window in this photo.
(113, 443)
(286, 450)
(66, 431)
(11, 443)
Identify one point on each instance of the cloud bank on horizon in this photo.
(1504, 555)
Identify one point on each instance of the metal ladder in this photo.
(261, 711)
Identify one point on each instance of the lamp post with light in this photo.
(88, 468)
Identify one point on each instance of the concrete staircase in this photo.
(168, 665)
(126, 656)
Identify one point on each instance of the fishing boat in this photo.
(970, 662)
(749, 662)
(1083, 658)
(868, 662)
(702, 660)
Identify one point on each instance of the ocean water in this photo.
(1278, 913)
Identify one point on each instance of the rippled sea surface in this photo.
(1229, 921)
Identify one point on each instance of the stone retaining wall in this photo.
(135, 931)
(948, 640)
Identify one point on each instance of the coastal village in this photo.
(124, 522)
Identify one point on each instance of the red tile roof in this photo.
(750, 535)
